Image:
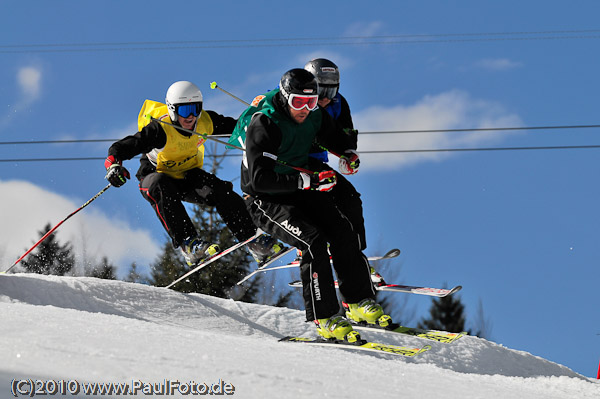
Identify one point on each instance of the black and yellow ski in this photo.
(361, 345)
(433, 335)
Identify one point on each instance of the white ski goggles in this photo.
(299, 101)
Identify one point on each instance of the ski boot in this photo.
(368, 312)
(377, 278)
(195, 250)
(265, 248)
(337, 328)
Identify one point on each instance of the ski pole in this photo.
(299, 169)
(56, 227)
(215, 257)
(214, 85)
(206, 136)
(203, 135)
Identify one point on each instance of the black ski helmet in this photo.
(298, 81)
(327, 72)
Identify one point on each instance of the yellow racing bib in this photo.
(180, 153)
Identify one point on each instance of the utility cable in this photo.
(560, 147)
(303, 41)
(77, 141)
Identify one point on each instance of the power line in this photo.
(302, 38)
(303, 41)
(485, 129)
(58, 141)
(77, 141)
(560, 147)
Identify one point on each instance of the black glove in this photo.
(322, 181)
(116, 174)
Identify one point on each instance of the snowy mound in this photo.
(92, 330)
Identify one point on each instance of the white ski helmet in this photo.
(182, 92)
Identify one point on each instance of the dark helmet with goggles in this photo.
(300, 89)
(327, 74)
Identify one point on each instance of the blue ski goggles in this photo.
(185, 110)
(327, 92)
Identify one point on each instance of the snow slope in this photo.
(92, 330)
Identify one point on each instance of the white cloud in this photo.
(364, 29)
(29, 83)
(30, 79)
(92, 233)
(341, 61)
(497, 64)
(450, 110)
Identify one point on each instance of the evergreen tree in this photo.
(267, 291)
(133, 276)
(50, 257)
(481, 324)
(445, 314)
(168, 268)
(284, 299)
(104, 270)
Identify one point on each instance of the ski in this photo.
(215, 257)
(411, 289)
(264, 266)
(295, 263)
(392, 253)
(433, 335)
(437, 292)
(361, 345)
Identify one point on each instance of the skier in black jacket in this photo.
(303, 209)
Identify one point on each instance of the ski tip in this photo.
(455, 289)
(393, 253)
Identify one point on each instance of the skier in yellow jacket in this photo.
(171, 172)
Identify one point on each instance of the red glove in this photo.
(349, 163)
(116, 174)
(322, 181)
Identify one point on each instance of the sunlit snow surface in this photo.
(91, 330)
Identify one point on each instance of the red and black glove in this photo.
(116, 174)
(322, 181)
(349, 163)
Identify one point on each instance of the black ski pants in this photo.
(309, 220)
(166, 194)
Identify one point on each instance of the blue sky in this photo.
(518, 229)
